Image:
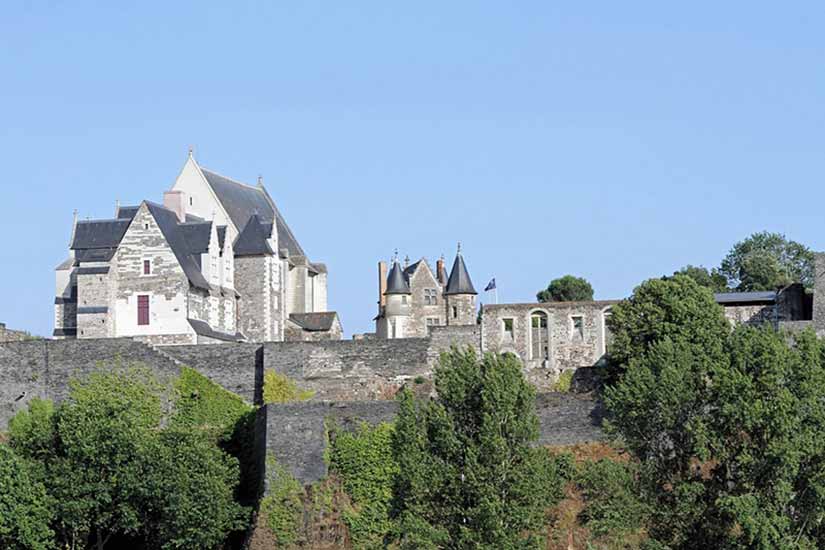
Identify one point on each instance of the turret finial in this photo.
(260, 180)
(459, 248)
(406, 260)
(191, 151)
(395, 256)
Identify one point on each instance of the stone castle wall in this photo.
(8, 335)
(296, 433)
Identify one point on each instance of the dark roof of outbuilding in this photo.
(91, 234)
(745, 297)
(252, 240)
(203, 329)
(314, 322)
(459, 281)
(242, 201)
(168, 224)
(397, 282)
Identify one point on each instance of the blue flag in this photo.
(491, 285)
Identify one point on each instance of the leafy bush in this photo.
(614, 507)
(366, 465)
(203, 404)
(25, 512)
(278, 388)
(282, 508)
(565, 381)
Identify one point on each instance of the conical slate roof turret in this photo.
(396, 281)
(459, 281)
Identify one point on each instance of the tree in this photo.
(674, 307)
(712, 279)
(468, 475)
(112, 471)
(766, 261)
(566, 289)
(25, 512)
(732, 450)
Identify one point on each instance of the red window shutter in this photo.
(143, 310)
(147, 267)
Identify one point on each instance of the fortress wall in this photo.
(296, 432)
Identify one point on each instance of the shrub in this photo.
(282, 508)
(278, 388)
(565, 381)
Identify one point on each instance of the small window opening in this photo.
(578, 327)
(455, 312)
(145, 226)
(147, 267)
(508, 328)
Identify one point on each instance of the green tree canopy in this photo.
(468, 475)
(112, 471)
(566, 289)
(765, 261)
(673, 307)
(25, 511)
(711, 279)
(732, 450)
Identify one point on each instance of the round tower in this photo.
(460, 295)
(397, 302)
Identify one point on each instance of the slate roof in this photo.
(745, 297)
(127, 212)
(459, 281)
(94, 234)
(242, 201)
(397, 282)
(168, 224)
(314, 322)
(202, 328)
(252, 240)
(197, 236)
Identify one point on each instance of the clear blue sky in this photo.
(615, 140)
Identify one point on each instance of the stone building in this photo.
(215, 262)
(777, 307)
(414, 298)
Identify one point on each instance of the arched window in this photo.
(539, 342)
(606, 336)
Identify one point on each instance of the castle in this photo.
(215, 262)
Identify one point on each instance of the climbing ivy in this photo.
(282, 508)
(201, 403)
(364, 461)
(278, 388)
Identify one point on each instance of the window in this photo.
(455, 312)
(190, 201)
(430, 297)
(147, 267)
(577, 322)
(143, 309)
(404, 299)
(539, 346)
(507, 326)
(145, 226)
(432, 321)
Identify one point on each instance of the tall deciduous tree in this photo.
(469, 476)
(566, 289)
(25, 511)
(711, 279)
(765, 261)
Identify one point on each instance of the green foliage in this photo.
(201, 403)
(766, 261)
(111, 470)
(25, 512)
(191, 485)
(732, 448)
(366, 465)
(674, 308)
(565, 381)
(282, 508)
(566, 289)
(469, 476)
(614, 508)
(278, 388)
(712, 279)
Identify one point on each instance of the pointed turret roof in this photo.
(396, 281)
(252, 240)
(459, 282)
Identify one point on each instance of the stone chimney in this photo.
(382, 284)
(440, 274)
(175, 201)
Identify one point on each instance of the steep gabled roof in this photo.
(94, 234)
(459, 281)
(242, 201)
(397, 282)
(168, 224)
(252, 240)
(197, 236)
